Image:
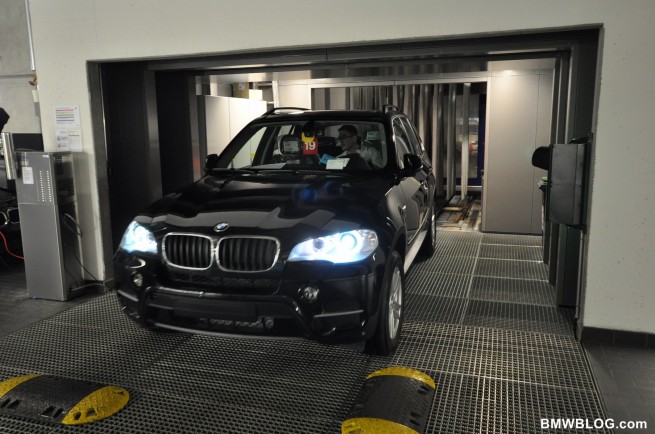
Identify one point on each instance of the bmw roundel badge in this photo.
(221, 227)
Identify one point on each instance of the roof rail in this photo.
(278, 109)
(389, 107)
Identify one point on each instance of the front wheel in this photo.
(387, 334)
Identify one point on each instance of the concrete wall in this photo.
(619, 273)
(16, 70)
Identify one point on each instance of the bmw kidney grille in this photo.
(188, 251)
(247, 254)
(240, 254)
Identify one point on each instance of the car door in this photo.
(412, 209)
(424, 176)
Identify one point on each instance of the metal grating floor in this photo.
(480, 319)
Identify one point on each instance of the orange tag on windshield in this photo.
(309, 145)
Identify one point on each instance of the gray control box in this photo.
(49, 229)
(566, 179)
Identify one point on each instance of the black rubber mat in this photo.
(485, 329)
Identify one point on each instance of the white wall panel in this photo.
(217, 121)
(239, 114)
(294, 95)
(226, 116)
(16, 98)
(16, 70)
(509, 174)
(544, 120)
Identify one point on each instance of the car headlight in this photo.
(339, 248)
(138, 239)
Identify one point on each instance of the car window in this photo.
(315, 145)
(246, 154)
(414, 141)
(401, 140)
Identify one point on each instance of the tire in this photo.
(160, 330)
(389, 327)
(429, 245)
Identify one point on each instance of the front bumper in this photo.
(345, 309)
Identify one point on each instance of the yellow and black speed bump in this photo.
(60, 400)
(393, 400)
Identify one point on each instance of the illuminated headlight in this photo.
(138, 239)
(339, 248)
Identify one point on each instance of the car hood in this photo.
(274, 201)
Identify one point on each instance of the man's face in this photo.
(347, 142)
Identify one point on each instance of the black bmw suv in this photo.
(303, 226)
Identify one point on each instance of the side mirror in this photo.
(211, 162)
(412, 163)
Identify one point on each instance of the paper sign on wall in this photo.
(68, 133)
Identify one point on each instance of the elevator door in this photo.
(519, 121)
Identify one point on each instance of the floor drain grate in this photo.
(480, 320)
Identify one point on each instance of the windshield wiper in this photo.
(324, 172)
(226, 175)
(280, 171)
(229, 171)
(304, 172)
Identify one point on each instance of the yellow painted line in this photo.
(401, 371)
(7, 385)
(97, 405)
(367, 425)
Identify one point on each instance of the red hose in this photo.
(7, 247)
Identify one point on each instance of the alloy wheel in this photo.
(433, 223)
(395, 303)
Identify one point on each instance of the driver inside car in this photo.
(349, 143)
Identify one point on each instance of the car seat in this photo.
(328, 145)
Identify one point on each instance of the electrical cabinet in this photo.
(49, 229)
(566, 180)
(566, 208)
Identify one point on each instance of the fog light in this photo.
(137, 279)
(309, 293)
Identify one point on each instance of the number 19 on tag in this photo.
(310, 147)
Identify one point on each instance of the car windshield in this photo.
(329, 145)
